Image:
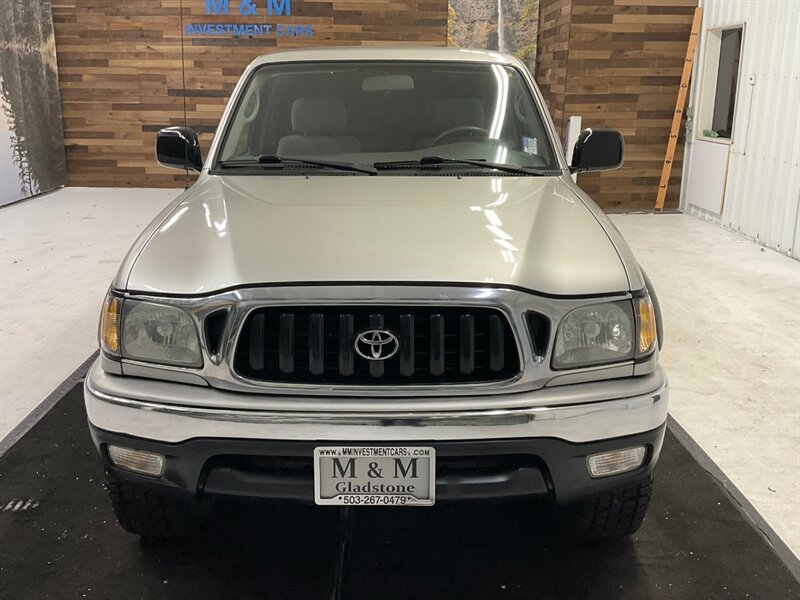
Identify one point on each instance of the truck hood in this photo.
(233, 231)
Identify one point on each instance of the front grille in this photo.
(435, 345)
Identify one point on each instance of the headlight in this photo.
(149, 332)
(595, 335)
(159, 333)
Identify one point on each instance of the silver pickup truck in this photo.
(384, 289)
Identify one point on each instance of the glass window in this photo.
(367, 112)
(727, 77)
(719, 85)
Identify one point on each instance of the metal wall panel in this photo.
(762, 197)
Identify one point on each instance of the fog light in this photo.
(138, 461)
(616, 461)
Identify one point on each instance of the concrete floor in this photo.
(58, 255)
(732, 352)
(732, 319)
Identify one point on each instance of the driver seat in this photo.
(446, 113)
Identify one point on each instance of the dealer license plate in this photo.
(375, 475)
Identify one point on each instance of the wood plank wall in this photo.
(618, 63)
(551, 54)
(121, 80)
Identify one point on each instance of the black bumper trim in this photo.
(543, 467)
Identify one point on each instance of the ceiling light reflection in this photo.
(493, 218)
(219, 226)
(500, 200)
(499, 232)
(174, 219)
(507, 245)
(502, 99)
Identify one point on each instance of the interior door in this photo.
(714, 119)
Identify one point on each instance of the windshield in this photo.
(388, 112)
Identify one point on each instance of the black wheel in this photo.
(612, 515)
(149, 514)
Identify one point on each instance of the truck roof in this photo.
(418, 53)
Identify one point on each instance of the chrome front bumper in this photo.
(173, 412)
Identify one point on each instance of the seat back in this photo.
(320, 123)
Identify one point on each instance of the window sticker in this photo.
(530, 145)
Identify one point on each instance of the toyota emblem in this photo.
(376, 344)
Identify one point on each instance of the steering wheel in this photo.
(461, 128)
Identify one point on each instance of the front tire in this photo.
(613, 515)
(149, 514)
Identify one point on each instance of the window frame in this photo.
(708, 85)
(224, 129)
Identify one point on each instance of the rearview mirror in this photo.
(178, 148)
(598, 150)
(387, 83)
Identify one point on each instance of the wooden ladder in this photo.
(681, 102)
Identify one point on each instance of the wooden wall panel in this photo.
(551, 54)
(621, 66)
(121, 79)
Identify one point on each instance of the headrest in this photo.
(444, 114)
(319, 116)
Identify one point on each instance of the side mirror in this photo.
(598, 150)
(178, 148)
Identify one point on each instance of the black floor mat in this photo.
(60, 540)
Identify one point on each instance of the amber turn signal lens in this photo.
(109, 325)
(647, 325)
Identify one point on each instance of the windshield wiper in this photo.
(444, 160)
(266, 160)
